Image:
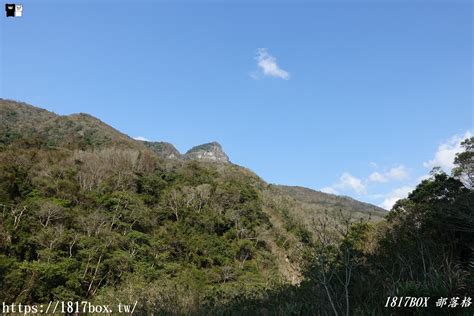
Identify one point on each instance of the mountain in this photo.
(23, 121)
(319, 201)
(309, 206)
(212, 152)
(19, 120)
(163, 149)
(90, 213)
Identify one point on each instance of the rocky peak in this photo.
(212, 152)
(163, 149)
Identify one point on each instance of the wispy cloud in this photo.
(398, 173)
(346, 182)
(392, 197)
(444, 156)
(141, 138)
(377, 177)
(385, 186)
(329, 190)
(268, 66)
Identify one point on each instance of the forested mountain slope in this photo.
(87, 213)
(83, 131)
(314, 203)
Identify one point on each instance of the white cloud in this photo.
(444, 156)
(254, 75)
(394, 196)
(141, 138)
(398, 173)
(346, 182)
(376, 196)
(377, 177)
(268, 65)
(329, 190)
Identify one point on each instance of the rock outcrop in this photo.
(211, 152)
(163, 149)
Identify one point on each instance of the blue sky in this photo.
(354, 97)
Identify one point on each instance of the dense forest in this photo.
(90, 214)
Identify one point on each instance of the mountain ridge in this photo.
(88, 131)
(82, 130)
(311, 196)
(142, 213)
(211, 152)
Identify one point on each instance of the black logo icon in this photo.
(10, 9)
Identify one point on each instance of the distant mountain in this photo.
(329, 201)
(164, 149)
(19, 120)
(23, 121)
(82, 131)
(211, 152)
(314, 203)
(93, 211)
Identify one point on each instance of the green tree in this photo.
(464, 162)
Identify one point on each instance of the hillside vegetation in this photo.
(312, 204)
(88, 212)
(91, 214)
(82, 131)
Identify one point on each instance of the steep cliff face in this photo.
(211, 152)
